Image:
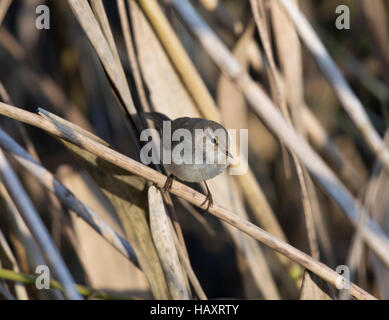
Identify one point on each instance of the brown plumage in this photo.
(213, 142)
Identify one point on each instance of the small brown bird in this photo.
(208, 139)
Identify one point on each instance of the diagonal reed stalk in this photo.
(183, 191)
(185, 68)
(38, 229)
(54, 284)
(343, 91)
(66, 196)
(265, 109)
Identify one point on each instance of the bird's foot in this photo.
(168, 183)
(208, 199)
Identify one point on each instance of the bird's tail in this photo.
(157, 118)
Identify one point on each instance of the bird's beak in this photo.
(229, 154)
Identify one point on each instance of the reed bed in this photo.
(76, 198)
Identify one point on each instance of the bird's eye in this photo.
(213, 140)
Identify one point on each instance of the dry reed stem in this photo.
(19, 288)
(131, 53)
(320, 137)
(54, 118)
(37, 228)
(289, 53)
(263, 106)
(184, 192)
(98, 8)
(31, 255)
(178, 56)
(198, 217)
(93, 36)
(322, 141)
(127, 194)
(233, 110)
(114, 71)
(373, 84)
(22, 130)
(252, 252)
(86, 18)
(313, 288)
(66, 196)
(278, 95)
(166, 248)
(39, 81)
(343, 91)
(377, 23)
(180, 59)
(147, 39)
(356, 248)
(85, 291)
(144, 104)
(188, 267)
(141, 92)
(52, 200)
(315, 130)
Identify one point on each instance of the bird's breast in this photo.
(195, 172)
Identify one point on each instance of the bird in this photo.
(215, 146)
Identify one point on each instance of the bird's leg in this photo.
(168, 183)
(208, 198)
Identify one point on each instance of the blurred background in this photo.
(59, 70)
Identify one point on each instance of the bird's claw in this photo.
(209, 200)
(168, 183)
